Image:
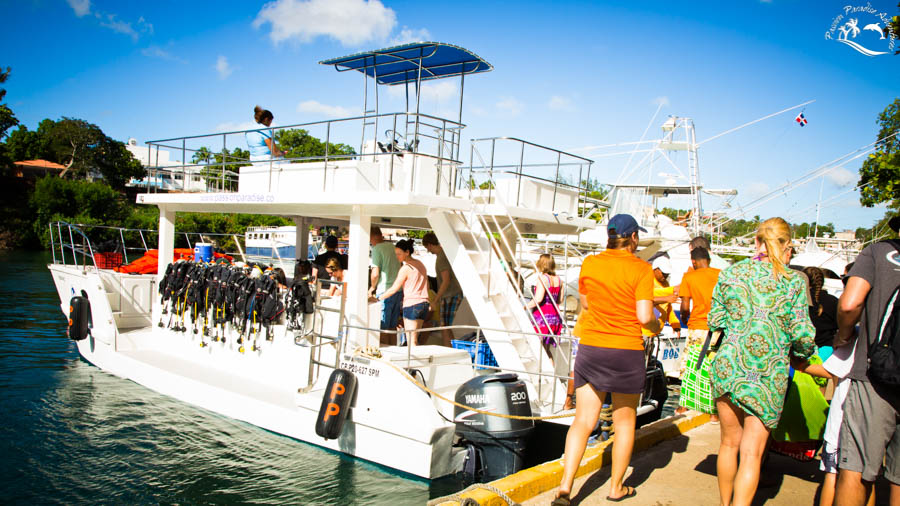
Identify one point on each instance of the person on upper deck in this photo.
(616, 290)
(761, 306)
(413, 280)
(260, 142)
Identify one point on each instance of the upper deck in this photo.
(398, 167)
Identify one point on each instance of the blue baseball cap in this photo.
(623, 225)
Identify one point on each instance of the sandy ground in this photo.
(682, 471)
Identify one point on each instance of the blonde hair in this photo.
(775, 234)
(334, 264)
(546, 264)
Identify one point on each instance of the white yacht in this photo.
(407, 173)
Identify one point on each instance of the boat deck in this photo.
(216, 378)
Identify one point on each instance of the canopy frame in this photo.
(454, 61)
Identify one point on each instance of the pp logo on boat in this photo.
(863, 28)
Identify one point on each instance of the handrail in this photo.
(311, 123)
(441, 142)
(529, 143)
(558, 159)
(59, 243)
(85, 242)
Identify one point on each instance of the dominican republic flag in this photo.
(801, 119)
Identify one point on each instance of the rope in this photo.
(361, 351)
(468, 501)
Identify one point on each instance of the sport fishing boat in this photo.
(666, 172)
(277, 246)
(222, 337)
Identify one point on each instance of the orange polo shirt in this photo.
(613, 281)
(698, 285)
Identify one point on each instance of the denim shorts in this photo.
(390, 311)
(416, 311)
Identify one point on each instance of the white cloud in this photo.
(558, 103)
(331, 111)
(661, 100)
(144, 25)
(223, 67)
(510, 105)
(757, 189)
(410, 35)
(234, 126)
(162, 54)
(350, 22)
(120, 26)
(81, 7)
(112, 21)
(842, 177)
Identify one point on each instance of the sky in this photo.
(570, 75)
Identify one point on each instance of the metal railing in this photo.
(79, 244)
(479, 339)
(506, 156)
(422, 134)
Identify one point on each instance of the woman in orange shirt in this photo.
(616, 291)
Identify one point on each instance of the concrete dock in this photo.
(682, 471)
(674, 463)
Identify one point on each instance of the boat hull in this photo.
(391, 422)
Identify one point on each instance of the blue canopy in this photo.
(400, 64)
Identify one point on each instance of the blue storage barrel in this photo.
(203, 252)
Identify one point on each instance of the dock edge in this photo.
(536, 480)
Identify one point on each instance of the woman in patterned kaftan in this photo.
(762, 308)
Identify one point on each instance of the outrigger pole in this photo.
(735, 129)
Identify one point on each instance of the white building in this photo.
(167, 175)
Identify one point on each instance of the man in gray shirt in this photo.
(449, 294)
(870, 433)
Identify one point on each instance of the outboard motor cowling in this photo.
(501, 441)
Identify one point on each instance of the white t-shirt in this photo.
(838, 364)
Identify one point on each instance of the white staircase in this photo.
(479, 250)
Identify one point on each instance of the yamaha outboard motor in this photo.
(499, 442)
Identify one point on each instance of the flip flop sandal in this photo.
(631, 493)
(561, 501)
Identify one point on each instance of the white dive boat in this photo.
(277, 377)
(276, 246)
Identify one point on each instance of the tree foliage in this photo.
(297, 143)
(75, 201)
(81, 146)
(879, 175)
(7, 118)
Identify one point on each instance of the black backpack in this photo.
(884, 353)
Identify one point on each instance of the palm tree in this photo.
(202, 155)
